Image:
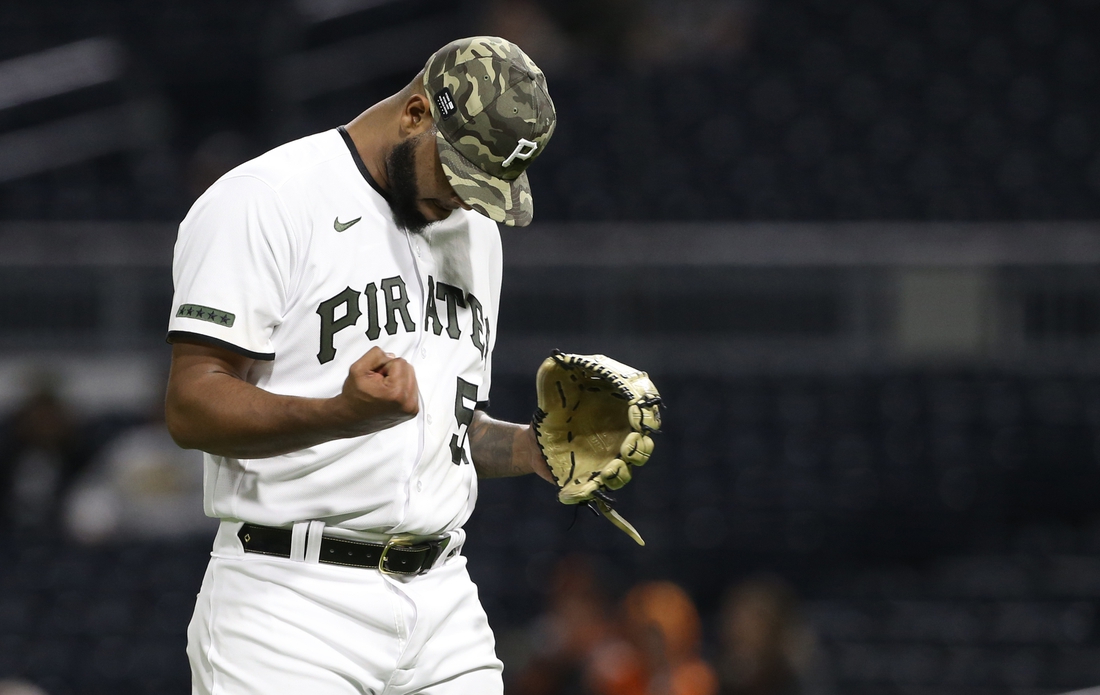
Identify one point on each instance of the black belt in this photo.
(388, 558)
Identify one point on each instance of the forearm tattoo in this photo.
(496, 448)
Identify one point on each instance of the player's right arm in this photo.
(211, 406)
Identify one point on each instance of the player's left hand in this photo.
(593, 423)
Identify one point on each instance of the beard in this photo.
(404, 194)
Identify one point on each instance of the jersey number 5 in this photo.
(464, 415)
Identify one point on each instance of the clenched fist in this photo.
(380, 392)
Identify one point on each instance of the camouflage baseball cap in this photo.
(493, 117)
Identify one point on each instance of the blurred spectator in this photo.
(142, 485)
(565, 638)
(567, 34)
(659, 654)
(528, 24)
(767, 649)
(42, 449)
(581, 650)
(8, 687)
(682, 32)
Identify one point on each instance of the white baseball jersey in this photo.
(294, 259)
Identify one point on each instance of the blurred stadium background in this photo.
(854, 242)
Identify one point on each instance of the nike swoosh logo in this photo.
(341, 226)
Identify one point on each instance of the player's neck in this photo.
(374, 133)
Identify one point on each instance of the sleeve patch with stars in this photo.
(205, 313)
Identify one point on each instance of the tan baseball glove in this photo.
(593, 423)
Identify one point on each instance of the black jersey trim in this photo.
(482, 405)
(359, 163)
(189, 337)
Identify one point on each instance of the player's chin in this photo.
(434, 212)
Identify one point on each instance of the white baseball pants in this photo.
(268, 626)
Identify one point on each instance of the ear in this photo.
(416, 115)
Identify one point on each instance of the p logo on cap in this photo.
(493, 117)
(520, 152)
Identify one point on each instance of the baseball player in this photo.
(333, 327)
